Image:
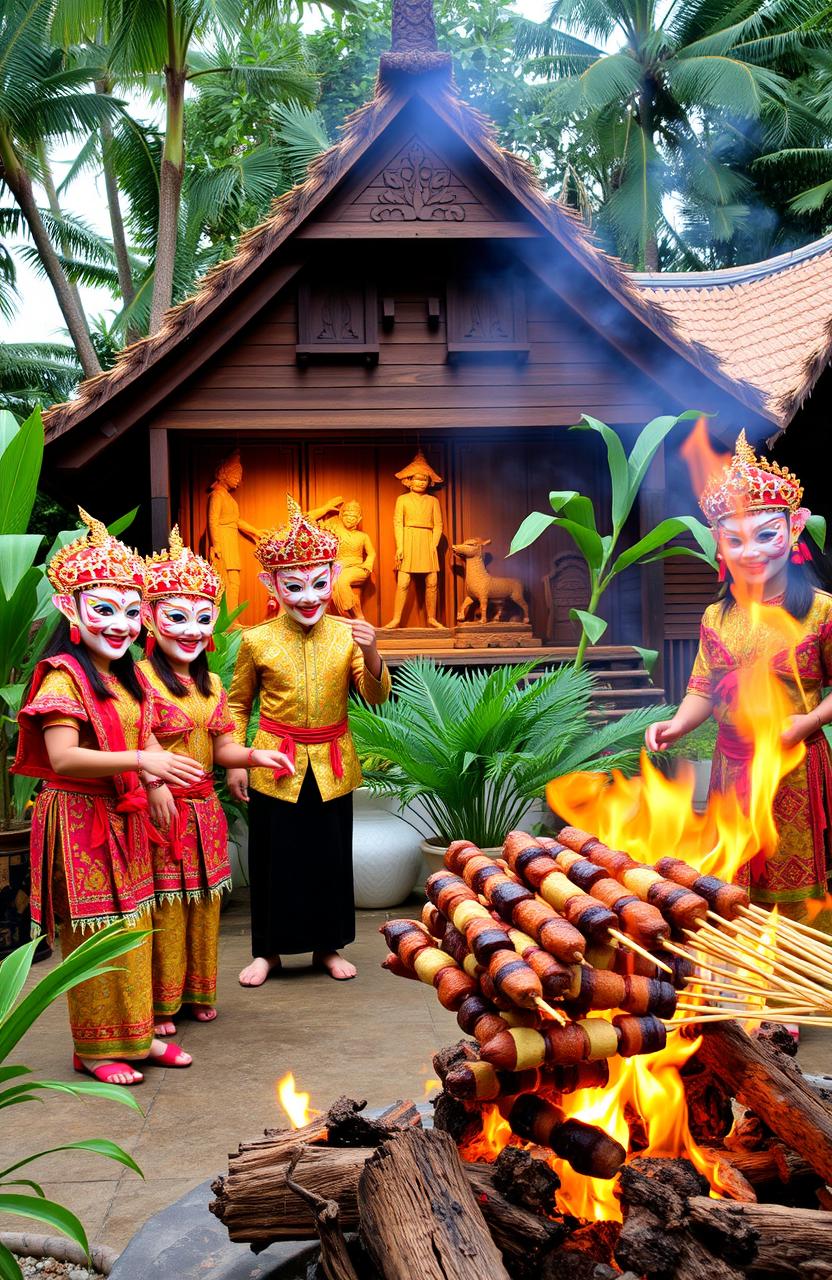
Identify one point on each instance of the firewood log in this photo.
(418, 1215)
(768, 1082)
(257, 1208)
(766, 1239)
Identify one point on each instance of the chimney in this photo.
(413, 50)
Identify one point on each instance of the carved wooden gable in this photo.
(415, 185)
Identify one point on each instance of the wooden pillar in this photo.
(159, 488)
(651, 510)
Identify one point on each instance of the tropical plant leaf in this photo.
(14, 971)
(96, 1146)
(622, 496)
(649, 657)
(591, 623)
(54, 1215)
(816, 529)
(19, 472)
(9, 1268)
(535, 523)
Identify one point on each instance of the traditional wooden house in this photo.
(419, 291)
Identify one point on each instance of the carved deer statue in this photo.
(481, 587)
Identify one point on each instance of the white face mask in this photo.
(756, 548)
(303, 593)
(183, 625)
(108, 619)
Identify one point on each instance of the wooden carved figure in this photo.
(225, 527)
(356, 554)
(481, 588)
(417, 524)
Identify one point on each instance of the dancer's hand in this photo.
(181, 771)
(237, 780)
(162, 807)
(799, 728)
(270, 760)
(364, 635)
(661, 735)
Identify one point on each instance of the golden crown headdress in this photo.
(95, 559)
(749, 483)
(297, 544)
(178, 571)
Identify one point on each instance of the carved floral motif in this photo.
(417, 191)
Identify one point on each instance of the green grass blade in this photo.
(54, 1215)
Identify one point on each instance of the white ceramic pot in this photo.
(433, 853)
(702, 776)
(386, 856)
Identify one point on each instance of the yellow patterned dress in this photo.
(802, 864)
(300, 826)
(90, 852)
(191, 870)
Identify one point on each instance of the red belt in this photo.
(290, 735)
(133, 800)
(201, 790)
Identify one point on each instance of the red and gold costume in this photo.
(300, 825)
(91, 838)
(729, 642)
(191, 870)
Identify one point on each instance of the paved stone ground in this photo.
(370, 1038)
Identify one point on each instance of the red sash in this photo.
(290, 735)
(201, 790)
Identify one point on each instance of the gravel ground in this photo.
(35, 1268)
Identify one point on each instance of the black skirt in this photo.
(300, 869)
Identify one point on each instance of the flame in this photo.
(495, 1134)
(651, 815)
(295, 1104)
(703, 461)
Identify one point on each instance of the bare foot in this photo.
(256, 973)
(434, 622)
(104, 1073)
(203, 1012)
(161, 1052)
(165, 1028)
(335, 965)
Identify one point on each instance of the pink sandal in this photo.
(104, 1074)
(168, 1058)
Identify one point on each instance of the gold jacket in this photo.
(303, 677)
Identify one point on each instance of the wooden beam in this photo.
(159, 487)
(419, 231)
(651, 511)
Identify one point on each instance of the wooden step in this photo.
(651, 694)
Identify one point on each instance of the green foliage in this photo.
(477, 748)
(575, 515)
(18, 1013)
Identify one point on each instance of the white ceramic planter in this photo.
(702, 776)
(386, 857)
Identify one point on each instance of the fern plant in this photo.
(477, 748)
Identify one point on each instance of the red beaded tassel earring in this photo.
(722, 572)
(272, 607)
(149, 644)
(74, 633)
(800, 553)
(211, 646)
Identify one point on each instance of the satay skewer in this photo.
(780, 974)
(639, 950)
(760, 913)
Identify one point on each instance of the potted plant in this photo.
(472, 751)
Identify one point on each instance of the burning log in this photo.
(418, 1215)
(335, 1258)
(766, 1081)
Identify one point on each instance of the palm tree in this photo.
(168, 37)
(36, 373)
(42, 99)
(806, 164)
(649, 100)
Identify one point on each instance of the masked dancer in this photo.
(191, 869)
(86, 730)
(754, 509)
(302, 665)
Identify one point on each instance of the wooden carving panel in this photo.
(417, 189)
(337, 317)
(487, 312)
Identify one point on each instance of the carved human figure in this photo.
(417, 524)
(225, 527)
(356, 556)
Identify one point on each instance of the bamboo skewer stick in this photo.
(759, 913)
(555, 1014)
(693, 981)
(635, 946)
(819, 966)
(780, 971)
